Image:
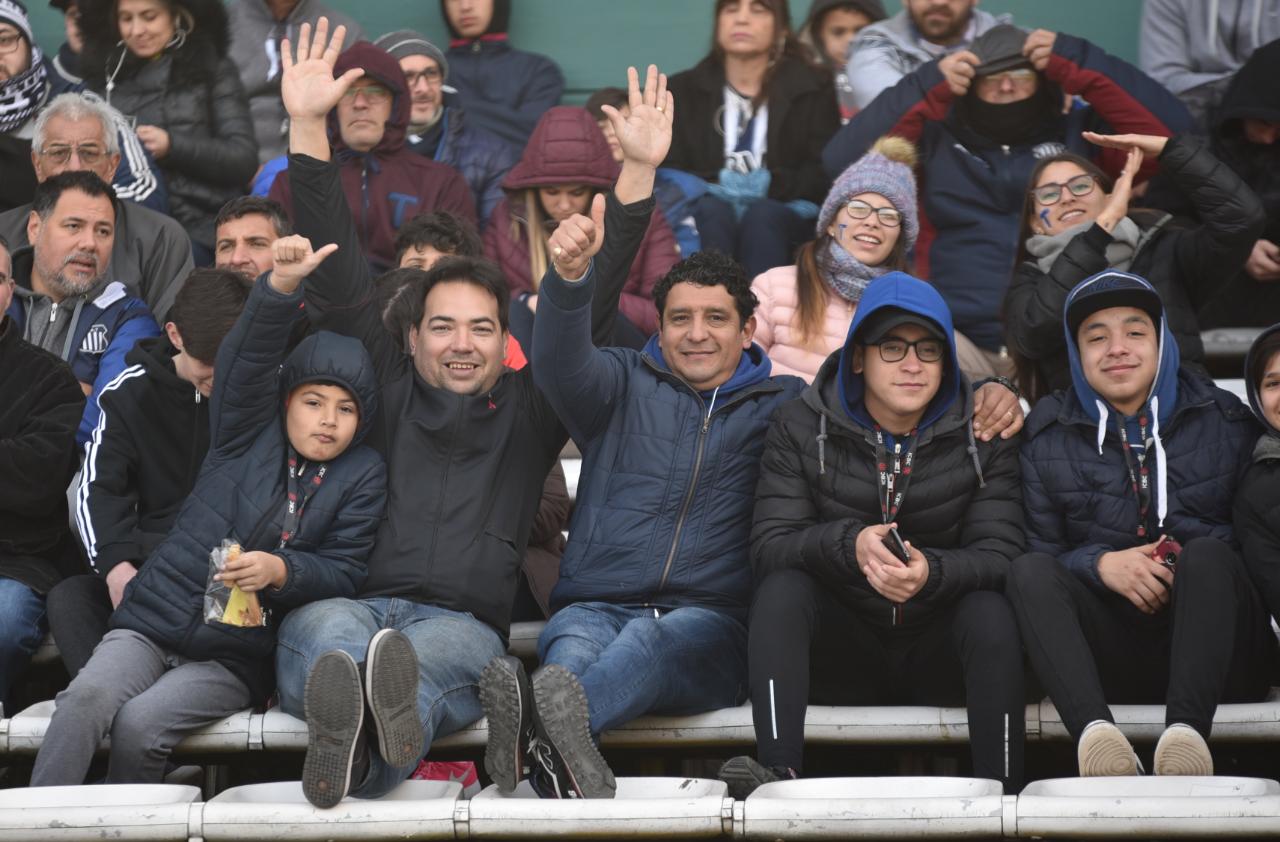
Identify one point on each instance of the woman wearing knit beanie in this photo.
(867, 226)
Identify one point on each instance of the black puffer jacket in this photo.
(1257, 506)
(803, 116)
(1187, 266)
(819, 488)
(40, 408)
(241, 494)
(193, 92)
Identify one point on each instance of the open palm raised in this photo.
(645, 132)
(307, 84)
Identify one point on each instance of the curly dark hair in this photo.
(709, 269)
(443, 231)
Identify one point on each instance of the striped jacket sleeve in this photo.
(106, 502)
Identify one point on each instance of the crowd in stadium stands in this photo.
(344, 303)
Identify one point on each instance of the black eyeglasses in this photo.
(895, 350)
(888, 217)
(431, 76)
(60, 153)
(1049, 194)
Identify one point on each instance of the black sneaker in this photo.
(744, 774)
(562, 724)
(507, 700)
(391, 682)
(333, 702)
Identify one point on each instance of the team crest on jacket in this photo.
(1047, 150)
(95, 341)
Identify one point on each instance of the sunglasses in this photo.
(1049, 194)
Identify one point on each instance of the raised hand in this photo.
(958, 69)
(294, 259)
(576, 240)
(307, 85)
(1150, 144)
(1117, 206)
(1038, 48)
(645, 132)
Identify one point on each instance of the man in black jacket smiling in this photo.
(882, 444)
(468, 446)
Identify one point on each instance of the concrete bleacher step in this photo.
(413, 810)
(144, 812)
(899, 807)
(1256, 722)
(1155, 808)
(644, 808)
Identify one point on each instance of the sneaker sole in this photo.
(560, 716)
(504, 694)
(1182, 752)
(334, 708)
(391, 680)
(744, 775)
(1105, 752)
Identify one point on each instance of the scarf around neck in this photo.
(844, 273)
(22, 96)
(1045, 248)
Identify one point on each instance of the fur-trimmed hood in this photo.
(206, 44)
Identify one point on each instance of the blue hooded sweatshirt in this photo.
(1160, 400)
(904, 292)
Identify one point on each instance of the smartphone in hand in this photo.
(893, 543)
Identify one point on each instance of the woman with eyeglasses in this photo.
(1076, 222)
(164, 65)
(866, 227)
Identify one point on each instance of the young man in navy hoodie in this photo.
(1134, 590)
(880, 445)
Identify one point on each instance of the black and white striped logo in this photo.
(95, 341)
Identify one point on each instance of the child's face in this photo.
(320, 420)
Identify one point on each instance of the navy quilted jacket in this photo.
(1076, 488)
(241, 494)
(663, 511)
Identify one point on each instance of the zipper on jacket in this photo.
(364, 198)
(444, 483)
(53, 312)
(688, 499)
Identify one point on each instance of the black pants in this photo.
(767, 235)
(1211, 644)
(969, 655)
(79, 609)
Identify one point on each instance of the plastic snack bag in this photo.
(228, 604)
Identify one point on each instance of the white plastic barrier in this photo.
(644, 808)
(1160, 808)
(24, 732)
(151, 812)
(886, 808)
(413, 810)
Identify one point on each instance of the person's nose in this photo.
(911, 362)
(462, 340)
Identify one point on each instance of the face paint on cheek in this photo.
(1044, 217)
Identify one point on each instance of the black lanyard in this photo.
(1139, 480)
(894, 476)
(298, 497)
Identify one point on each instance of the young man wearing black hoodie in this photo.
(143, 457)
(1134, 590)
(881, 447)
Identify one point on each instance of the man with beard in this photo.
(924, 30)
(64, 302)
(981, 118)
(440, 130)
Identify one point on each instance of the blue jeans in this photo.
(453, 649)
(631, 662)
(22, 627)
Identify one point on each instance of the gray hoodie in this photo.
(255, 49)
(884, 52)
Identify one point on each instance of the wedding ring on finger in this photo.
(557, 251)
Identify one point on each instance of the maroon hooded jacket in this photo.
(390, 184)
(567, 147)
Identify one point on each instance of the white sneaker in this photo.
(1103, 751)
(1182, 751)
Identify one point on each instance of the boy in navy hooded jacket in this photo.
(286, 478)
(1137, 452)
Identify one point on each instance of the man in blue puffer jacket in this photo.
(981, 118)
(655, 583)
(1134, 589)
(287, 479)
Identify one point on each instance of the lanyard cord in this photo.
(1139, 480)
(892, 493)
(298, 497)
